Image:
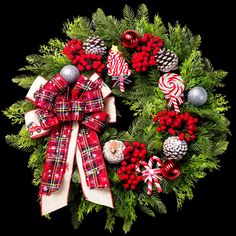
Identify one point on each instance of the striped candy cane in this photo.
(151, 175)
(172, 85)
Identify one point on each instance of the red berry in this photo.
(123, 168)
(190, 132)
(132, 165)
(155, 118)
(124, 163)
(163, 128)
(121, 177)
(130, 181)
(193, 136)
(130, 149)
(119, 172)
(129, 167)
(139, 178)
(143, 145)
(88, 67)
(126, 186)
(133, 187)
(132, 176)
(126, 177)
(159, 129)
(171, 131)
(188, 139)
(126, 143)
(133, 159)
(181, 136)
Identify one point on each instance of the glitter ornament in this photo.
(197, 96)
(130, 39)
(70, 73)
(113, 151)
(170, 170)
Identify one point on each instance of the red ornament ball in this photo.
(170, 170)
(130, 39)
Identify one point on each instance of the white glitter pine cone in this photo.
(174, 148)
(113, 151)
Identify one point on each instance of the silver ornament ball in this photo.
(70, 73)
(197, 96)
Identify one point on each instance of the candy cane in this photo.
(151, 175)
(172, 85)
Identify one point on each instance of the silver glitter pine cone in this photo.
(166, 60)
(174, 148)
(113, 151)
(94, 45)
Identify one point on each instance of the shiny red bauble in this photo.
(130, 39)
(170, 169)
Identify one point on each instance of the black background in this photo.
(24, 27)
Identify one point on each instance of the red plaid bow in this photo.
(150, 174)
(59, 107)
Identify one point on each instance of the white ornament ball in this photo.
(113, 151)
(70, 73)
(197, 96)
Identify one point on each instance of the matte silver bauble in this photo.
(197, 96)
(70, 73)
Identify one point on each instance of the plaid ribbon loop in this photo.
(58, 108)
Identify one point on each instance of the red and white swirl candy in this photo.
(172, 85)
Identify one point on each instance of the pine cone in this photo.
(94, 45)
(166, 60)
(174, 148)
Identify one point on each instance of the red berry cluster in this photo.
(147, 49)
(75, 52)
(134, 152)
(174, 123)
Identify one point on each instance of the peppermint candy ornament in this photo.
(172, 85)
(113, 151)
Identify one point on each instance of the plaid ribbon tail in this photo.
(92, 159)
(56, 156)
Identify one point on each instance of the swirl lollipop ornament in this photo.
(172, 85)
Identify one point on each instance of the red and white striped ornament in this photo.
(151, 175)
(172, 85)
(118, 68)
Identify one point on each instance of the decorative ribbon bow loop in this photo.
(151, 175)
(120, 81)
(57, 111)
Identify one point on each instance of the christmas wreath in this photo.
(122, 113)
